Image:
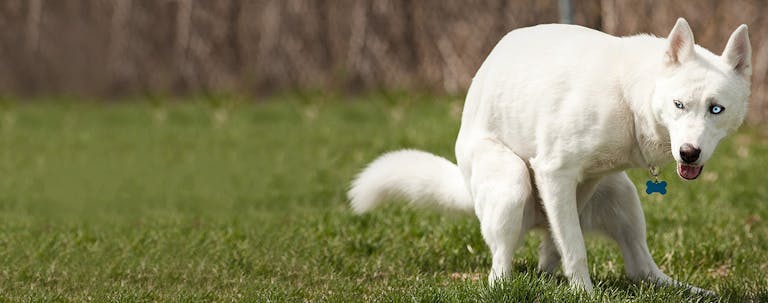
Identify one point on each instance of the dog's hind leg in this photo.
(501, 188)
(549, 258)
(615, 210)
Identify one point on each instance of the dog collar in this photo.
(654, 172)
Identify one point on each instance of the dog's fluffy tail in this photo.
(417, 176)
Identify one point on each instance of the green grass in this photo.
(242, 201)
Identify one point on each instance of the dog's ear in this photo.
(680, 43)
(738, 51)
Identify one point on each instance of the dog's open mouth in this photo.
(689, 172)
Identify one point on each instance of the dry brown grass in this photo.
(125, 47)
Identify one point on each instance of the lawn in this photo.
(224, 200)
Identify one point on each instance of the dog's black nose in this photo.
(689, 153)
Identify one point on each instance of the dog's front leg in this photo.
(616, 211)
(558, 191)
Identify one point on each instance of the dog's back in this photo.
(551, 82)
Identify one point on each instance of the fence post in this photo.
(566, 11)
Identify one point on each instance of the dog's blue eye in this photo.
(679, 104)
(716, 109)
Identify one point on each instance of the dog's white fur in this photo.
(553, 117)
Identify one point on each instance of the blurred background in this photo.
(118, 48)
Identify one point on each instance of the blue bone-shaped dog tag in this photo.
(656, 187)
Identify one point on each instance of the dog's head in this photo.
(701, 97)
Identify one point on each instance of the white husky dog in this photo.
(552, 119)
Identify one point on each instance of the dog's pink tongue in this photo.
(688, 172)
